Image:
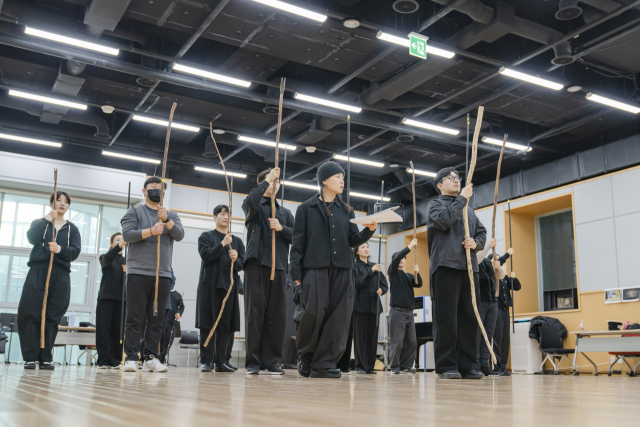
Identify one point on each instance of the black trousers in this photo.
(488, 314)
(455, 328)
(30, 311)
(402, 338)
(108, 312)
(264, 314)
(365, 339)
(327, 301)
(344, 364)
(502, 339)
(140, 319)
(218, 349)
(168, 333)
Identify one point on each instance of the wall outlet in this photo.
(620, 361)
(613, 359)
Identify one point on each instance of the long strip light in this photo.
(47, 99)
(369, 196)
(165, 123)
(29, 140)
(69, 40)
(128, 157)
(531, 79)
(294, 9)
(429, 126)
(210, 75)
(300, 185)
(419, 172)
(612, 103)
(326, 102)
(357, 160)
(264, 142)
(402, 41)
(511, 145)
(220, 172)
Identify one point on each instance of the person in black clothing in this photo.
(264, 299)
(454, 322)
(109, 307)
(66, 249)
(370, 286)
(322, 261)
(217, 249)
(402, 327)
(172, 313)
(502, 337)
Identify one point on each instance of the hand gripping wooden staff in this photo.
(164, 171)
(415, 218)
(465, 215)
(283, 81)
(229, 190)
(53, 239)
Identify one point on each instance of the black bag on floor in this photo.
(189, 337)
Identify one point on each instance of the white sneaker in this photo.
(152, 365)
(130, 366)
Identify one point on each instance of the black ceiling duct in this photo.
(210, 148)
(405, 6)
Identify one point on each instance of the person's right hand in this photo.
(227, 239)
(510, 251)
(124, 268)
(496, 265)
(467, 191)
(273, 175)
(53, 214)
(513, 275)
(157, 229)
(492, 243)
(297, 282)
(376, 267)
(122, 243)
(413, 244)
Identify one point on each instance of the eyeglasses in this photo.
(451, 178)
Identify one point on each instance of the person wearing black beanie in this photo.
(322, 263)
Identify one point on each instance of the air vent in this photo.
(145, 82)
(405, 6)
(210, 149)
(569, 12)
(270, 110)
(562, 60)
(404, 138)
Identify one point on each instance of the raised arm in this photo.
(107, 258)
(252, 202)
(395, 263)
(357, 238)
(298, 245)
(442, 216)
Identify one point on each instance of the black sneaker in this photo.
(325, 373)
(505, 373)
(372, 372)
(231, 366)
(395, 371)
(450, 375)
(253, 370)
(304, 369)
(224, 368)
(409, 371)
(47, 365)
(345, 372)
(272, 370)
(473, 375)
(30, 365)
(206, 367)
(360, 371)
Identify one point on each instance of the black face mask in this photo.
(154, 195)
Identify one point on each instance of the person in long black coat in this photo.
(217, 248)
(370, 286)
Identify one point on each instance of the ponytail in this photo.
(324, 204)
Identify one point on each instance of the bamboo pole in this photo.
(43, 315)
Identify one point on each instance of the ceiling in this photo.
(255, 42)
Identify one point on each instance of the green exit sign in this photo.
(418, 45)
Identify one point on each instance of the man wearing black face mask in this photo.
(140, 225)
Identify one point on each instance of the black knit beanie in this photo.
(327, 170)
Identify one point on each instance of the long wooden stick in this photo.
(415, 218)
(495, 209)
(513, 304)
(472, 166)
(164, 171)
(230, 191)
(124, 288)
(283, 81)
(46, 284)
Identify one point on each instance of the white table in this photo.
(76, 335)
(604, 341)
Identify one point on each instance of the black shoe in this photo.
(253, 370)
(395, 371)
(30, 365)
(304, 369)
(345, 372)
(485, 371)
(360, 371)
(497, 373)
(505, 373)
(473, 375)
(231, 366)
(408, 371)
(47, 365)
(372, 372)
(325, 373)
(206, 367)
(272, 370)
(224, 368)
(450, 375)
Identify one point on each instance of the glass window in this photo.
(18, 212)
(85, 217)
(79, 281)
(111, 217)
(14, 272)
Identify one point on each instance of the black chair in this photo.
(9, 320)
(552, 348)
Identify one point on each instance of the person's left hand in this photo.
(510, 251)
(53, 247)
(513, 274)
(275, 224)
(379, 292)
(376, 267)
(416, 268)
(177, 316)
(372, 226)
(162, 213)
(124, 268)
(469, 243)
(496, 265)
(233, 254)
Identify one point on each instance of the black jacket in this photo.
(445, 233)
(367, 300)
(536, 322)
(41, 233)
(176, 304)
(112, 274)
(402, 284)
(488, 278)
(322, 243)
(505, 299)
(257, 211)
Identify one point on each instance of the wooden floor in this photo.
(184, 397)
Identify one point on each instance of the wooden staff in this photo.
(124, 286)
(495, 209)
(283, 81)
(230, 191)
(164, 171)
(415, 219)
(379, 256)
(53, 239)
(513, 304)
(472, 166)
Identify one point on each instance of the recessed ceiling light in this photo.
(107, 109)
(310, 149)
(575, 88)
(394, 165)
(351, 23)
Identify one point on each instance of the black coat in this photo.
(215, 274)
(487, 277)
(322, 243)
(505, 299)
(536, 322)
(112, 280)
(68, 238)
(366, 288)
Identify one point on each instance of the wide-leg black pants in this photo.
(365, 339)
(218, 349)
(502, 339)
(402, 338)
(344, 364)
(488, 311)
(108, 314)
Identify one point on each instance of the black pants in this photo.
(402, 338)
(168, 333)
(502, 339)
(344, 364)
(365, 338)
(108, 312)
(218, 349)
(140, 319)
(455, 328)
(488, 314)
(327, 301)
(30, 311)
(264, 314)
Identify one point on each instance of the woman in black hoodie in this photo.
(66, 249)
(322, 261)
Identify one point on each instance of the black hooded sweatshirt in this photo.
(68, 238)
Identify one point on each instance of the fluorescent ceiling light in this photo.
(419, 172)
(531, 79)
(264, 142)
(47, 99)
(511, 145)
(297, 184)
(328, 103)
(294, 9)
(429, 126)
(404, 41)
(210, 75)
(220, 172)
(369, 196)
(174, 125)
(611, 103)
(30, 140)
(440, 52)
(356, 160)
(71, 41)
(126, 156)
